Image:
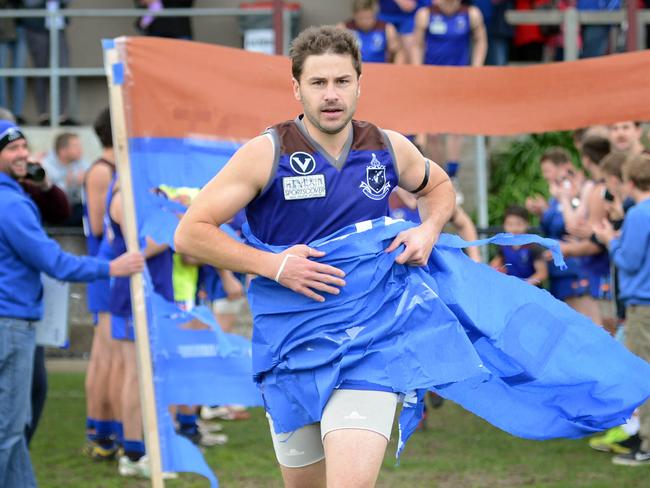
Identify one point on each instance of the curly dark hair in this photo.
(322, 40)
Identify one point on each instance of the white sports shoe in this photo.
(229, 412)
(209, 427)
(140, 468)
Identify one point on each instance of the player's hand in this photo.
(580, 229)
(419, 242)
(302, 275)
(127, 264)
(604, 231)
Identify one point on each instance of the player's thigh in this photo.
(356, 427)
(297, 449)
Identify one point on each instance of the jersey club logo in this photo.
(375, 187)
(302, 163)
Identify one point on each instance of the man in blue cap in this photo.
(25, 252)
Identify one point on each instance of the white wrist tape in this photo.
(281, 268)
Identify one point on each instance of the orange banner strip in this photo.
(179, 88)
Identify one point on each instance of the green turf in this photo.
(457, 450)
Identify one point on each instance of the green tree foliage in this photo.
(515, 173)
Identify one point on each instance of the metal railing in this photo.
(571, 19)
(53, 14)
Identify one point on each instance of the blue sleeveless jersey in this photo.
(448, 38)
(390, 7)
(311, 194)
(373, 42)
(159, 266)
(519, 261)
(567, 282)
(96, 291)
(92, 241)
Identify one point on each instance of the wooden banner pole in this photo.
(115, 72)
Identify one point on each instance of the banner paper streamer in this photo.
(490, 342)
(178, 88)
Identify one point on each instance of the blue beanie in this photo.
(9, 132)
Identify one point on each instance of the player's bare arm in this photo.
(236, 185)
(98, 179)
(421, 24)
(479, 37)
(436, 201)
(396, 49)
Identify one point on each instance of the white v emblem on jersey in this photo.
(302, 163)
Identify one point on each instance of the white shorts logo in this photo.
(302, 163)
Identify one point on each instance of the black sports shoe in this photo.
(635, 458)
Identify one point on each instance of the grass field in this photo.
(457, 450)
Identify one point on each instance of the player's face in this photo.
(515, 225)
(365, 19)
(13, 159)
(328, 90)
(624, 135)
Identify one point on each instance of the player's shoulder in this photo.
(399, 142)
(261, 145)
(100, 171)
(474, 13)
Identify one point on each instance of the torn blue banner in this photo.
(190, 367)
(194, 363)
(485, 340)
(188, 163)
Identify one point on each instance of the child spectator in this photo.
(630, 252)
(525, 262)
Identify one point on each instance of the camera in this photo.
(35, 172)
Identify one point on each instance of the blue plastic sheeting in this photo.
(178, 163)
(505, 350)
(194, 367)
(190, 366)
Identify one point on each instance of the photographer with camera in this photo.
(51, 200)
(25, 252)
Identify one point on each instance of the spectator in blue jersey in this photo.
(401, 14)
(569, 285)
(525, 262)
(331, 172)
(448, 33)
(630, 252)
(579, 220)
(26, 252)
(595, 38)
(379, 41)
